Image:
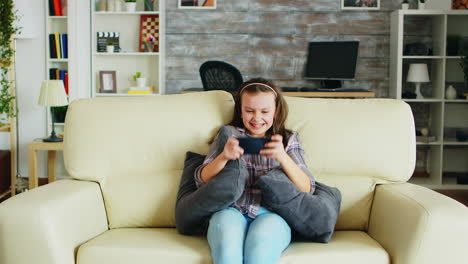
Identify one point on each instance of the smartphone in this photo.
(252, 145)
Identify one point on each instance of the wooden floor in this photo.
(459, 195)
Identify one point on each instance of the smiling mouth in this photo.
(256, 126)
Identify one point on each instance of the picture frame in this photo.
(149, 26)
(197, 4)
(360, 4)
(108, 82)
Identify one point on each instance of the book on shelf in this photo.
(105, 37)
(57, 74)
(53, 73)
(57, 7)
(65, 81)
(64, 45)
(58, 45)
(52, 48)
(140, 90)
(51, 8)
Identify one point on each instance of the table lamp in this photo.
(418, 74)
(52, 94)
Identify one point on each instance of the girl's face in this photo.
(258, 112)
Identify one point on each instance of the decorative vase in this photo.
(450, 93)
(148, 47)
(118, 6)
(110, 5)
(101, 6)
(110, 49)
(404, 6)
(130, 6)
(141, 82)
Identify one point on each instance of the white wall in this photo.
(31, 71)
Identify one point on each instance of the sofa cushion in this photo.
(362, 137)
(353, 144)
(357, 193)
(138, 162)
(312, 215)
(151, 245)
(195, 206)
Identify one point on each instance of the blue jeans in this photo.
(236, 239)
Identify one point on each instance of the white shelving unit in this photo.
(445, 158)
(55, 24)
(129, 60)
(61, 25)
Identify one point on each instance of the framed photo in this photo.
(197, 4)
(108, 82)
(360, 4)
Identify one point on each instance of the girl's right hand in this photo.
(232, 150)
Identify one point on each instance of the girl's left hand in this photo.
(274, 149)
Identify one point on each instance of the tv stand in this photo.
(331, 84)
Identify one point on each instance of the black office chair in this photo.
(219, 75)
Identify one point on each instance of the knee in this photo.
(265, 223)
(264, 246)
(226, 219)
(227, 224)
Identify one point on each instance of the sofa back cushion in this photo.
(354, 144)
(135, 148)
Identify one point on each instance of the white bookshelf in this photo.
(130, 60)
(56, 24)
(446, 157)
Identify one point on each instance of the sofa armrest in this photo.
(47, 224)
(417, 225)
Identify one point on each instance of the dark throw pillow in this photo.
(312, 215)
(195, 206)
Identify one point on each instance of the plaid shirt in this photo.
(257, 165)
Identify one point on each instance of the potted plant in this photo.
(405, 4)
(110, 47)
(130, 5)
(141, 81)
(7, 31)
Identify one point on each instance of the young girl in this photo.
(247, 232)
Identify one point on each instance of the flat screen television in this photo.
(331, 62)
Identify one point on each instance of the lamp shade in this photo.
(418, 73)
(52, 93)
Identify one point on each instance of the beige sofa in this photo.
(126, 157)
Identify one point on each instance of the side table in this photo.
(51, 148)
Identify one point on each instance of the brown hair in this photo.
(260, 85)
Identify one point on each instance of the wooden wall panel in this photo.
(269, 38)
